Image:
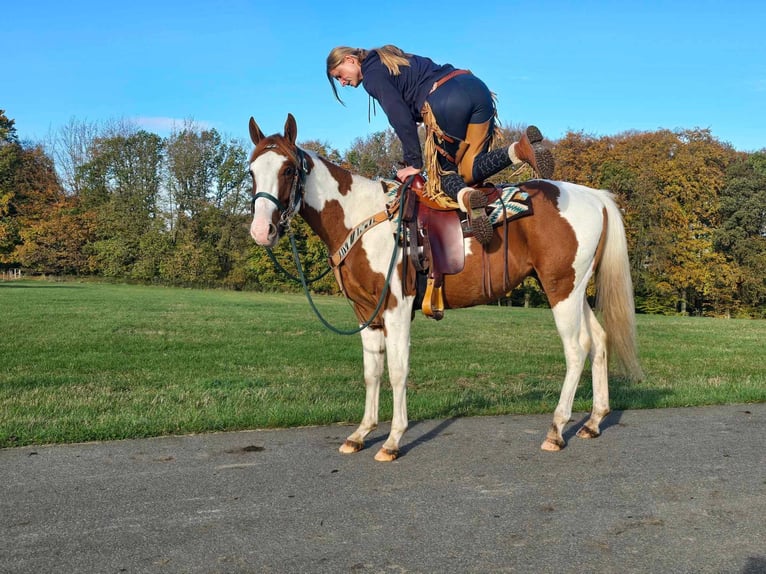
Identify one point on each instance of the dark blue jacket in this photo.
(403, 96)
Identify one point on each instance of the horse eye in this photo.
(289, 170)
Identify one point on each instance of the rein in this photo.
(288, 212)
(384, 292)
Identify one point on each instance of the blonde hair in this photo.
(390, 56)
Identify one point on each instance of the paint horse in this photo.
(574, 233)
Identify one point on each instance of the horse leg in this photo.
(598, 359)
(398, 354)
(569, 316)
(373, 348)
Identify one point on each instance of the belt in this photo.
(447, 78)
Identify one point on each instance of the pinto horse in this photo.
(574, 233)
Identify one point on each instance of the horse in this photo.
(575, 233)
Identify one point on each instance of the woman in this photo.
(459, 113)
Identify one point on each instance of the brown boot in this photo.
(474, 202)
(530, 149)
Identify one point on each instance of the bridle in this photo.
(287, 212)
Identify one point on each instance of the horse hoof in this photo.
(386, 455)
(552, 445)
(350, 447)
(587, 432)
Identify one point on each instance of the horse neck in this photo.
(335, 201)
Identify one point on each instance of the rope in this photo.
(289, 275)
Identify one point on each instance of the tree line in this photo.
(118, 202)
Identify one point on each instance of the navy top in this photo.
(402, 97)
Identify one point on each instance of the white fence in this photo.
(10, 274)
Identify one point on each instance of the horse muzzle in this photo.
(264, 232)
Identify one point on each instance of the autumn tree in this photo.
(10, 151)
(36, 227)
(668, 184)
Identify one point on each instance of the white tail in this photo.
(614, 299)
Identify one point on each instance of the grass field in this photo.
(88, 361)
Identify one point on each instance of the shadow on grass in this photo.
(626, 395)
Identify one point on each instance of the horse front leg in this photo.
(373, 349)
(398, 352)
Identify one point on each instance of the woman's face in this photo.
(348, 73)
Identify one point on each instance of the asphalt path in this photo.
(662, 491)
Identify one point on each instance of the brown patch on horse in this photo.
(275, 143)
(364, 287)
(342, 176)
(553, 237)
(543, 244)
(361, 285)
(318, 222)
(548, 190)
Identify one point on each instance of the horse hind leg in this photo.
(600, 376)
(569, 317)
(373, 345)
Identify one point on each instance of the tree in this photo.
(191, 156)
(376, 156)
(71, 148)
(121, 186)
(30, 193)
(10, 151)
(742, 234)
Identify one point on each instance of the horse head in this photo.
(278, 168)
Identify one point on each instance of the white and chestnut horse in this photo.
(573, 233)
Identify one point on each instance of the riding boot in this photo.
(474, 202)
(529, 149)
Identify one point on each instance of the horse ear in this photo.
(256, 134)
(291, 129)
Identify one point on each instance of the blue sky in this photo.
(596, 67)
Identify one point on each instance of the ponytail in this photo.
(392, 57)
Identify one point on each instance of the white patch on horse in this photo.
(577, 204)
(367, 200)
(324, 185)
(266, 168)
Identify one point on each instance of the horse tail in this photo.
(614, 298)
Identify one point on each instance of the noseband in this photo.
(287, 212)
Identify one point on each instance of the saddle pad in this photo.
(516, 201)
(516, 204)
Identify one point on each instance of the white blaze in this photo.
(266, 169)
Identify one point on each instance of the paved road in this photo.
(662, 491)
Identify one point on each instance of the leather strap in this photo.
(447, 78)
(356, 234)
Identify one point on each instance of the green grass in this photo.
(88, 361)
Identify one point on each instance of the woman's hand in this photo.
(405, 172)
